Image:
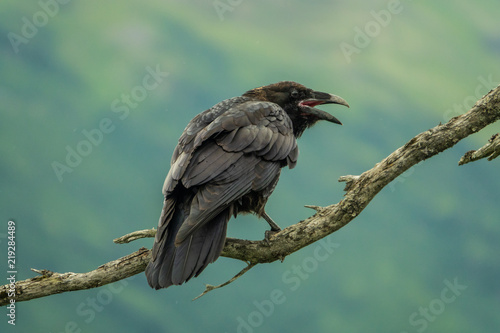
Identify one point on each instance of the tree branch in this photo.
(360, 190)
(50, 283)
(490, 150)
(135, 235)
(209, 287)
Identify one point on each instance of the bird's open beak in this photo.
(308, 106)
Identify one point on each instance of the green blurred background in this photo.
(403, 67)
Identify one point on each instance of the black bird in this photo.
(228, 161)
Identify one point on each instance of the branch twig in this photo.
(209, 287)
(349, 180)
(490, 150)
(135, 235)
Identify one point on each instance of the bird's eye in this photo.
(294, 93)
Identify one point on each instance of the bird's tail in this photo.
(172, 264)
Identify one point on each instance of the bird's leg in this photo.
(272, 224)
(274, 227)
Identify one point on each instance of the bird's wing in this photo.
(239, 127)
(241, 150)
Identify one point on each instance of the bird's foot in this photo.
(268, 234)
(275, 228)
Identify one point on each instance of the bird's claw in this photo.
(268, 234)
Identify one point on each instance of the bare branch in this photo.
(360, 191)
(135, 235)
(490, 150)
(316, 208)
(349, 180)
(50, 283)
(209, 287)
(43, 272)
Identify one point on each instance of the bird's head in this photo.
(299, 102)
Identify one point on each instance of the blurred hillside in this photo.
(95, 95)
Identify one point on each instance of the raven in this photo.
(228, 161)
